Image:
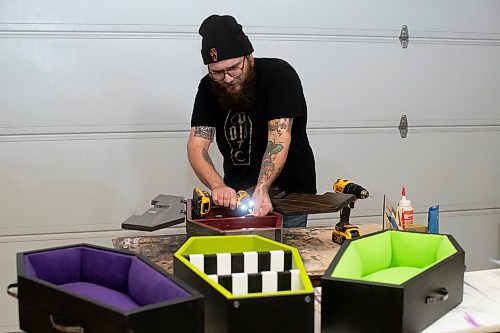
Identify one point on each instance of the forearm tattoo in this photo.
(206, 157)
(280, 125)
(205, 132)
(268, 169)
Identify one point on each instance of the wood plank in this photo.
(304, 203)
(167, 210)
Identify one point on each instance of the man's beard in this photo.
(241, 101)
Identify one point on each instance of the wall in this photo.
(96, 96)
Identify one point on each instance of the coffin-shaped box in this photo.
(219, 222)
(86, 288)
(250, 284)
(392, 281)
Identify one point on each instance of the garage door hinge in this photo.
(404, 36)
(403, 126)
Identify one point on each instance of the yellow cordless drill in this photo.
(244, 203)
(202, 203)
(343, 230)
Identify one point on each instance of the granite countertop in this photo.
(315, 246)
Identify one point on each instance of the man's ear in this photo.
(250, 58)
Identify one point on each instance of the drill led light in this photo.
(246, 206)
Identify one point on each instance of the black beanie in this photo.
(223, 39)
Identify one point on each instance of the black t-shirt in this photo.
(242, 136)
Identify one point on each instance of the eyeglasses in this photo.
(232, 72)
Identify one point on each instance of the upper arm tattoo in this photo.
(205, 132)
(280, 125)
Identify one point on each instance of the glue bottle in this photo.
(405, 211)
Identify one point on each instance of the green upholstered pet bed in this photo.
(393, 281)
(392, 257)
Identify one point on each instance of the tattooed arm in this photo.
(199, 141)
(279, 138)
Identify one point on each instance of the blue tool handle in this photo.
(394, 225)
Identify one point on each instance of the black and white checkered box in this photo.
(250, 272)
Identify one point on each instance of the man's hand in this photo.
(263, 205)
(224, 196)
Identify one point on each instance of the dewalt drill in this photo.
(343, 230)
(202, 203)
(244, 203)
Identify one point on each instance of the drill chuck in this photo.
(348, 187)
(364, 194)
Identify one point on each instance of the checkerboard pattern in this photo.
(250, 272)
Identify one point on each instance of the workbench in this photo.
(315, 246)
(477, 313)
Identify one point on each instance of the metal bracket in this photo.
(403, 126)
(404, 36)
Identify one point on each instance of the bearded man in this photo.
(256, 110)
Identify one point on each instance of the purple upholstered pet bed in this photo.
(96, 289)
(114, 279)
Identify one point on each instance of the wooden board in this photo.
(167, 210)
(303, 203)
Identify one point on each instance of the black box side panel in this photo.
(360, 307)
(447, 274)
(38, 301)
(284, 313)
(215, 311)
(184, 317)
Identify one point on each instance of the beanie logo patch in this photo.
(213, 54)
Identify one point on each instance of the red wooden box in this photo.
(222, 221)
